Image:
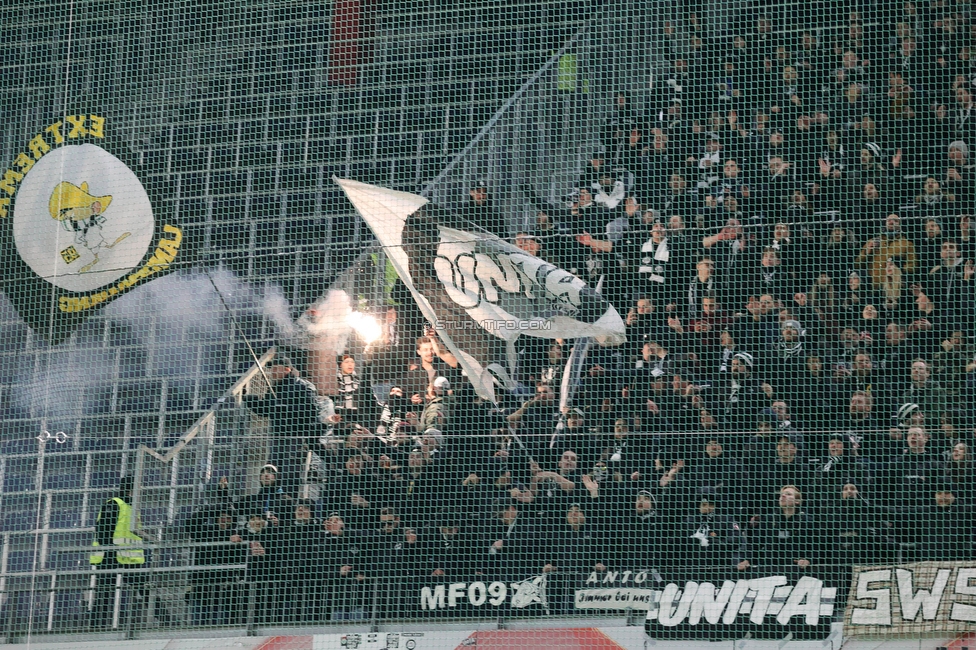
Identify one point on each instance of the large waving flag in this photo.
(480, 292)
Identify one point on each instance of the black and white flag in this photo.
(480, 292)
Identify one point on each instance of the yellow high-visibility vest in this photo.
(567, 75)
(122, 537)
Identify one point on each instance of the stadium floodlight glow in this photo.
(367, 327)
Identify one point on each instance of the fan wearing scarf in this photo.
(654, 257)
(354, 398)
(789, 355)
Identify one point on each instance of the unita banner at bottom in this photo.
(766, 607)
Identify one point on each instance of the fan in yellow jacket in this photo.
(891, 244)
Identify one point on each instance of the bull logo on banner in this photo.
(76, 227)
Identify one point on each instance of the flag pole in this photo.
(240, 330)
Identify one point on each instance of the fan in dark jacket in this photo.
(292, 407)
(937, 529)
(302, 590)
(340, 563)
(837, 468)
(713, 472)
(511, 550)
(263, 573)
(781, 541)
(635, 538)
(707, 545)
(212, 591)
(574, 549)
(452, 547)
(854, 534)
(270, 500)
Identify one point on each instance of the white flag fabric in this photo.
(530, 591)
(480, 292)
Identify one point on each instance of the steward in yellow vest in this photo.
(113, 529)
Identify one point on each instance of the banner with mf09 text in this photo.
(912, 599)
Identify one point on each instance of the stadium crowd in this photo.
(785, 223)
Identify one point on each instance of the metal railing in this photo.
(205, 427)
(144, 600)
(153, 601)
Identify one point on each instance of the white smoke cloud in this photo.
(325, 325)
(174, 327)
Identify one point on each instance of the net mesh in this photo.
(647, 312)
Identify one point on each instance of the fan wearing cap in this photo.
(301, 539)
(393, 549)
(114, 548)
(437, 411)
(871, 167)
(740, 395)
(263, 544)
(480, 210)
(889, 244)
(596, 168)
(293, 414)
(708, 544)
(574, 546)
(636, 530)
(621, 117)
(270, 500)
(582, 437)
(453, 546)
(512, 550)
(634, 160)
(341, 554)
